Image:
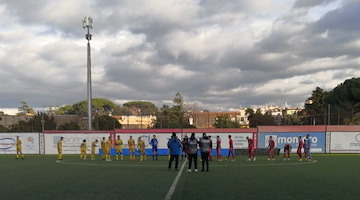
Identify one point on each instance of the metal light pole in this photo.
(87, 23)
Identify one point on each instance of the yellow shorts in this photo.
(131, 150)
(118, 150)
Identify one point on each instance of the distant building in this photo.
(8, 120)
(208, 119)
(136, 121)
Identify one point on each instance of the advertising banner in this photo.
(345, 142)
(317, 140)
(72, 141)
(30, 143)
(239, 139)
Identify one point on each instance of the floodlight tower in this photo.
(87, 24)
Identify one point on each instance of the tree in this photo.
(35, 124)
(315, 108)
(25, 109)
(142, 107)
(225, 121)
(69, 126)
(105, 122)
(344, 101)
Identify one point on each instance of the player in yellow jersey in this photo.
(108, 149)
(93, 146)
(59, 148)
(19, 148)
(83, 150)
(131, 144)
(118, 147)
(103, 150)
(141, 146)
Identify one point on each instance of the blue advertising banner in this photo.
(317, 140)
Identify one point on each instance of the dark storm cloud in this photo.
(220, 54)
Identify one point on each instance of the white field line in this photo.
(248, 164)
(267, 164)
(173, 186)
(107, 164)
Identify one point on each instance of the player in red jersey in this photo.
(271, 147)
(218, 148)
(287, 150)
(231, 149)
(300, 146)
(251, 149)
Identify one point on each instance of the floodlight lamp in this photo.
(87, 22)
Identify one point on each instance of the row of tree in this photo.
(338, 106)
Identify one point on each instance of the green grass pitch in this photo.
(41, 177)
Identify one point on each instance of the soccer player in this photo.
(103, 148)
(108, 149)
(305, 153)
(211, 147)
(251, 149)
(185, 149)
(59, 148)
(19, 148)
(154, 144)
(205, 144)
(83, 150)
(141, 146)
(175, 146)
(300, 146)
(308, 147)
(193, 151)
(118, 147)
(271, 148)
(287, 150)
(218, 148)
(131, 144)
(231, 149)
(93, 146)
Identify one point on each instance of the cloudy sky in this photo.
(219, 54)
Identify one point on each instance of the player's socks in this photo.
(121, 157)
(117, 157)
(144, 157)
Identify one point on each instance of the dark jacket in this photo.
(175, 146)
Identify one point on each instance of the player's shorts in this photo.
(271, 150)
(286, 150)
(251, 150)
(132, 150)
(186, 151)
(218, 151)
(83, 151)
(298, 151)
(18, 149)
(154, 148)
(59, 151)
(142, 150)
(118, 150)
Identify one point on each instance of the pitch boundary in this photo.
(247, 164)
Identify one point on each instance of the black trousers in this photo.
(172, 157)
(205, 160)
(193, 157)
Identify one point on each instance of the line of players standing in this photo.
(106, 148)
(190, 149)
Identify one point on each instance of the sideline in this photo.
(254, 164)
(107, 164)
(173, 186)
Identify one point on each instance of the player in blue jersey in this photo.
(154, 144)
(308, 147)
